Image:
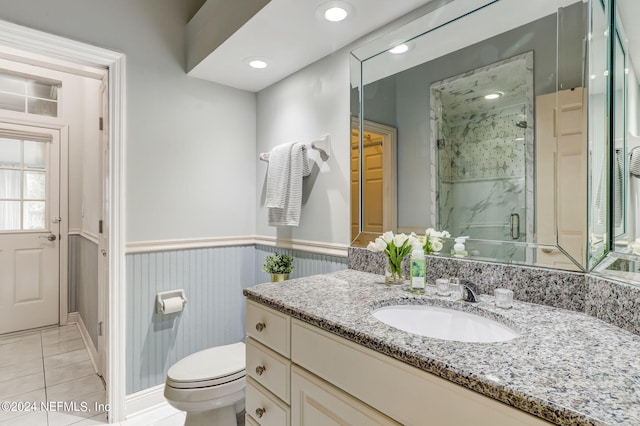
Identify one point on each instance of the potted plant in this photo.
(279, 266)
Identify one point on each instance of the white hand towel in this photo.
(278, 175)
(290, 193)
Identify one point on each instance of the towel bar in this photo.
(323, 145)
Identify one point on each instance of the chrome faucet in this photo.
(470, 292)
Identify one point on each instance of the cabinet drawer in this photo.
(248, 421)
(265, 408)
(316, 402)
(269, 369)
(269, 327)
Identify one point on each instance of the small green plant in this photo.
(278, 264)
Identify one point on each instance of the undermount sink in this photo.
(445, 324)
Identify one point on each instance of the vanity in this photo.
(317, 355)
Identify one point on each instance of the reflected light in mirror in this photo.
(401, 48)
(494, 95)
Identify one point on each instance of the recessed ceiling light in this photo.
(334, 11)
(255, 62)
(335, 14)
(494, 95)
(401, 48)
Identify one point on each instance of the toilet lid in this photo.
(209, 367)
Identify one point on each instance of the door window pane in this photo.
(12, 84)
(12, 102)
(10, 184)
(28, 95)
(23, 184)
(42, 107)
(35, 185)
(42, 90)
(34, 154)
(10, 152)
(33, 215)
(9, 215)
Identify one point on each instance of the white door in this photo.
(29, 227)
(560, 168)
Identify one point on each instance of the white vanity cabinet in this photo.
(323, 379)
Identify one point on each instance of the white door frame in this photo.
(52, 46)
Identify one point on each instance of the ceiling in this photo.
(289, 35)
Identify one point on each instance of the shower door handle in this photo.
(515, 226)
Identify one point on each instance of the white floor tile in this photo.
(37, 418)
(34, 397)
(61, 334)
(66, 358)
(100, 419)
(64, 419)
(21, 351)
(22, 369)
(21, 337)
(75, 389)
(55, 348)
(21, 385)
(54, 376)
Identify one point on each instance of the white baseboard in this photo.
(145, 402)
(74, 317)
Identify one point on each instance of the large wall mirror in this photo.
(484, 107)
(623, 261)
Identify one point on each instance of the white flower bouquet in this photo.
(396, 247)
(432, 242)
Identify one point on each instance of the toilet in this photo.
(209, 385)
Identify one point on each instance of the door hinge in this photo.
(100, 328)
(100, 226)
(101, 123)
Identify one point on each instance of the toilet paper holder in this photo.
(163, 297)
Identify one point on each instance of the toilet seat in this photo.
(208, 368)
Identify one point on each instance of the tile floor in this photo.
(49, 367)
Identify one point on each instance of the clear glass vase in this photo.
(393, 272)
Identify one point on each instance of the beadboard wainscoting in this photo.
(213, 279)
(83, 281)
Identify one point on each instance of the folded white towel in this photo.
(634, 162)
(288, 164)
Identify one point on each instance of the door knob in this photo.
(49, 237)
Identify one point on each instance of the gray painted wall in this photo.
(185, 136)
(213, 279)
(306, 105)
(83, 282)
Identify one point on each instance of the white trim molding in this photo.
(84, 234)
(144, 401)
(74, 317)
(331, 249)
(52, 46)
(186, 244)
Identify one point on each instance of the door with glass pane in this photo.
(29, 227)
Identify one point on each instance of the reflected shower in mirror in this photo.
(481, 100)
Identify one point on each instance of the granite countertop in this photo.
(566, 367)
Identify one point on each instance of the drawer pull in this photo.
(260, 326)
(260, 369)
(260, 412)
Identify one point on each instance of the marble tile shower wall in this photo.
(611, 301)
